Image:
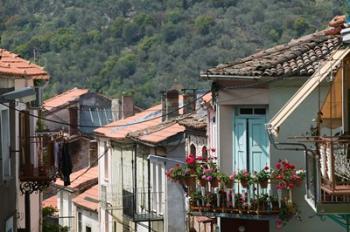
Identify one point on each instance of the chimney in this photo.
(189, 100)
(172, 104)
(116, 109)
(163, 102)
(127, 106)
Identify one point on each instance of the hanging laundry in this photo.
(66, 168)
(56, 154)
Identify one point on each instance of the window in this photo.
(5, 143)
(106, 222)
(204, 153)
(87, 229)
(128, 203)
(193, 149)
(106, 166)
(80, 226)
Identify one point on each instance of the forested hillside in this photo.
(143, 46)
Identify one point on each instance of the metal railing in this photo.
(143, 205)
(328, 175)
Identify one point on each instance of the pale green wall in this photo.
(298, 123)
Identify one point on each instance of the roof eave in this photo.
(215, 77)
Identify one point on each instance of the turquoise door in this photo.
(258, 144)
(250, 143)
(240, 147)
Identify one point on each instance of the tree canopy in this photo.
(144, 46)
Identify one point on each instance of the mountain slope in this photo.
(143, 46)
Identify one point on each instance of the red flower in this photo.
(213, 150)
(199, 158)
(278, 165)
(177, 165)
(266, 168)
(191, 160)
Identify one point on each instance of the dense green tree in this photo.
(143, 46)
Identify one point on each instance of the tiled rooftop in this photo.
(151, 117)
(64, 98)
(88, 199)
(13, 65)
(194, 122)
(51, 201)
(299, 57)
(158, 133)
(84, 181)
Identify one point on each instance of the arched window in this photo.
(193, 149)
(204, 153)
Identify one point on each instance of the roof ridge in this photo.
(64, 93)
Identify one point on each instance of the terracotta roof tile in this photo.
(51, 201)
(64, 98)
(12, 65)
(88, 199)
(86, 180)
(162, 134)
(194, 122)
(207, 98)
(151, 117)
(300, 57)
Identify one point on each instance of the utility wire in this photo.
(108, 126)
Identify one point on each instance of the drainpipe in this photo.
(27, 211)
(149, 194)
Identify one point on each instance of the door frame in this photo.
(238, 115)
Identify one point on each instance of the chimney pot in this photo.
(127, 106)
(172, 104)
(189, 100)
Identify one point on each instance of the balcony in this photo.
(35, 176)
(251, 202)
(143, 206)
(328, 176)
(261, 195)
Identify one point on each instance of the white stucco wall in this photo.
(65, 207)
(88, 218)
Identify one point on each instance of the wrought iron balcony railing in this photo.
(143, 206)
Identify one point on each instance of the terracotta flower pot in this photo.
(244, 183)
(229, 184)
(263, 184)
(190, 181)
(214, 183)
(202, 182)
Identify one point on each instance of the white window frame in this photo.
(5, 137)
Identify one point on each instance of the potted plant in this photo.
(195, 198)
(286, 175)
(263, 177)
(226, 180)
(175, 173)
(244, 178)
(210, 175)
